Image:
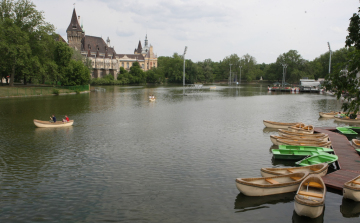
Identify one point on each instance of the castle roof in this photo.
(74, 23)
(97, 44)
(139, 49)
(130, 56)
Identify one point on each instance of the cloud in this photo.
(124, 33)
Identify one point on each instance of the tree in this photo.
(344, 78)
(137, 73)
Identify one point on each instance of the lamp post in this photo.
(240, 74)
(230, 75)
(284, 72)
(330, 56)
(184, 71)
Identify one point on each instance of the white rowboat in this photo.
(278, 125)
(310, 197)
(48, 124)
(264, 186)
(317, 169)
(351, 189)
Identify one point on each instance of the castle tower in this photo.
(146, 41)
(74, 32)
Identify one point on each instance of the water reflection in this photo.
(350, 208)
(302, 219)
(245, 203)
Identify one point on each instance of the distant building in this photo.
(103, 57)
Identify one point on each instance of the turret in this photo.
(74, 32)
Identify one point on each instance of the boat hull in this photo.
(277, 125)
(351, 194)
(327, 115)
(268, 173)
(45, 124)
(308, 211)
(357, 121)
(258, 191)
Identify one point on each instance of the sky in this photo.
(211, 29)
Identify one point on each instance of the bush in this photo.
(56, 91)
(77, 91)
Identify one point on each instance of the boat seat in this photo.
(290, 171)
(314, 184)
(355, 182)
(295, 178)
(272, 181)
(310, 194)
(314, 168)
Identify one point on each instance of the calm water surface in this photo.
(130, 160)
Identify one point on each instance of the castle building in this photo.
(103, 57)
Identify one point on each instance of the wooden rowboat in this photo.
(269, 185)
(323, 158)
(346, 131)
(306, 148)
(324, 137)
(310, 197)
(47, 124)
(278, 125)
(293, 154)
(306, 129)
(328, 114)
(317, 169)
(356, 143)
(304, 143)
(289, 132)
(274, 139)
(348, 120)
(351, 189)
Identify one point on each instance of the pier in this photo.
(349, 160)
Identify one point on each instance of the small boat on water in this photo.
(307, 148)
(345, 131)
(306, 129)
(324, 137)
(263, 186)
(348, 120)
(328, 114)
(354, 128)
(48, 124)
(278, 125)
(274, 139)
(289, 132)
(310, 197)
(322, 158)
(356, 143)
(304, 143)
(317, 169)
(351, 189)
(293, 154)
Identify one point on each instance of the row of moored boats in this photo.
(297, 141)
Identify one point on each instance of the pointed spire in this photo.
(139, 49)
(146, 41)
(74, 23)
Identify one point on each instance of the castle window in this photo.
(127, 64)
(142, 66)
(122, 64)
(89, 47)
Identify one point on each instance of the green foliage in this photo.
(344, 79)
(56, 91)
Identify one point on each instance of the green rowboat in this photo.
(306, 148)
(293, 154)
(346, 131)
(354, 128)
(322, 158)
(358, 151)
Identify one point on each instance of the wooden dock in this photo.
(349, 160)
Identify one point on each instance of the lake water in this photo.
(130, 160)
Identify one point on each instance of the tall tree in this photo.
(345, 77)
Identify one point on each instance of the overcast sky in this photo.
(211, 29)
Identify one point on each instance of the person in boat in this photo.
(53, 118)
(66, 119)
